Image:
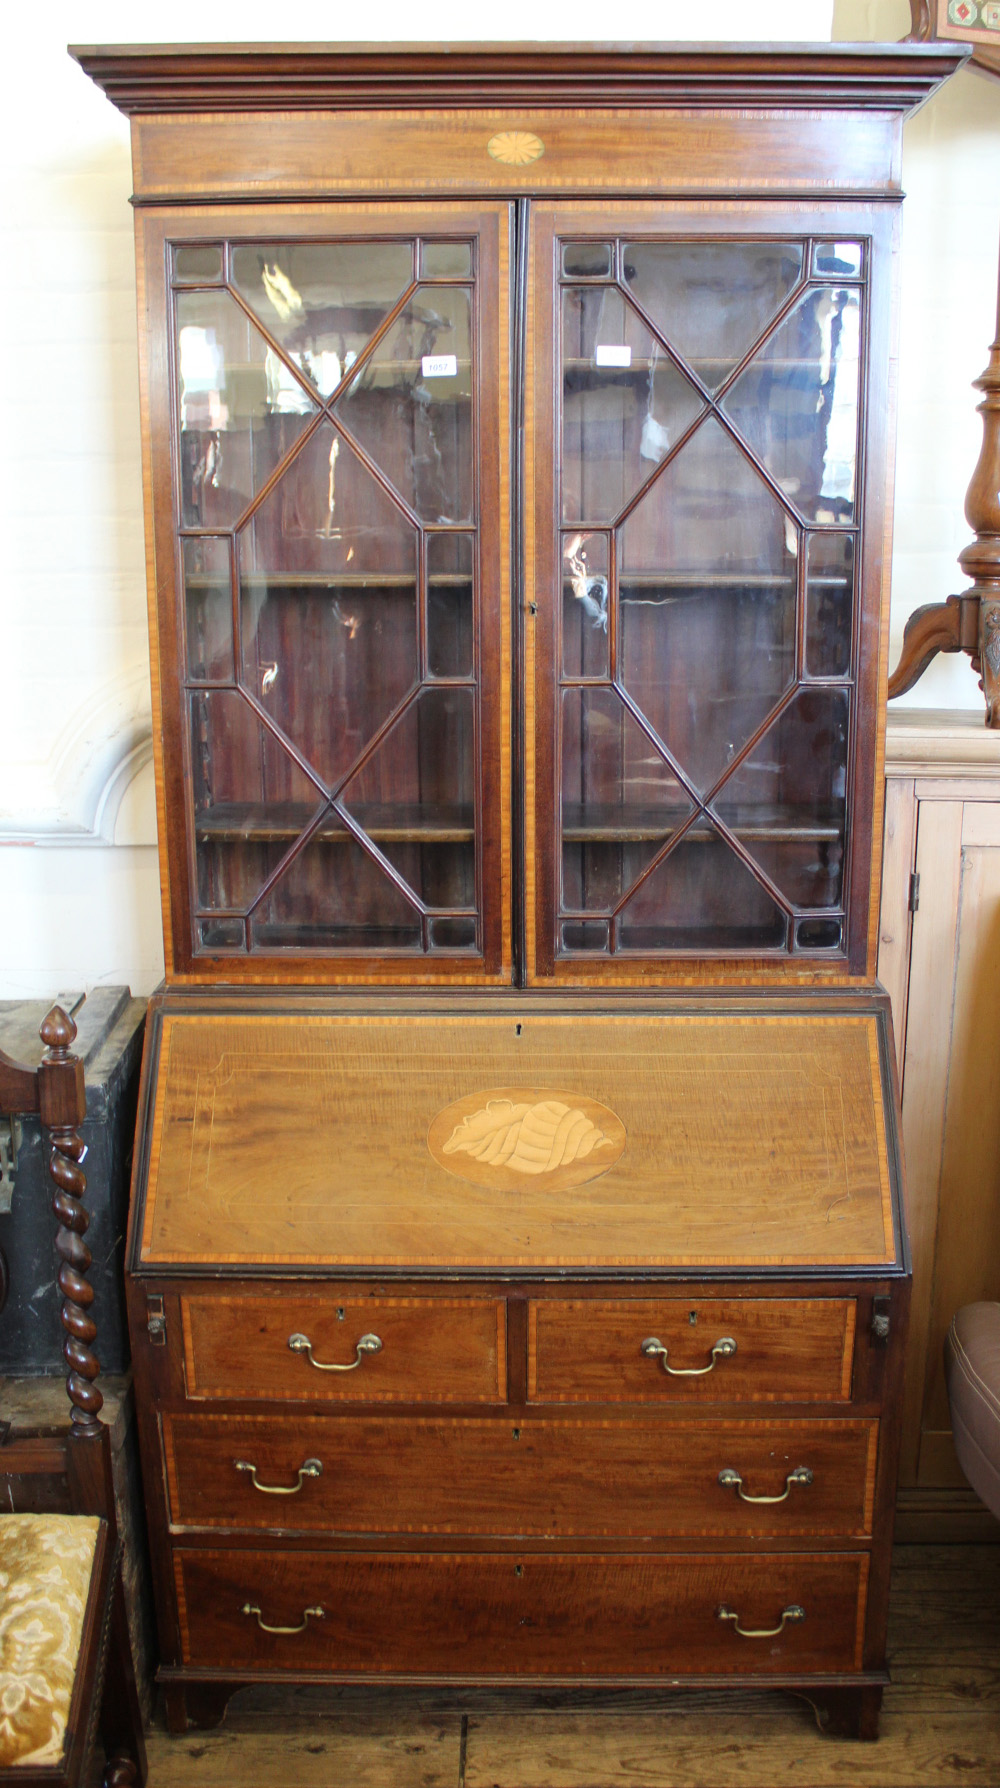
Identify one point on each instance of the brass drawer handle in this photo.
(792, 1612)
(310, 1468)
(252, 1608)
(730, 1479)
(367, 1344)
(653, 1349)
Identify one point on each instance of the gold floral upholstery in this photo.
(46, 1562)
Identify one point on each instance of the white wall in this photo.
(79, 900)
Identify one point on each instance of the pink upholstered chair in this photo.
(65, 1657)
(972, 1370)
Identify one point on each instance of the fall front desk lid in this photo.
(447, 1141)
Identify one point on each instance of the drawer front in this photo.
(489, 1615)
(549, 1477)
(786, 1349)
(429, 1350)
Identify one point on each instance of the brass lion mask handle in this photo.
(310, 1468)
(792, 1613)
(367, 1344)
(730, 1480)
(313, 1613)
(653, 1349)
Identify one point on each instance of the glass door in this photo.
(341, 601)
(694, 660)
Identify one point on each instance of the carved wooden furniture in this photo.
(65, 1654)
(517, 428)
(969, 622)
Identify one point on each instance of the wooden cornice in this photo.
(400, 77)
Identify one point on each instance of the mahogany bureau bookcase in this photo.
(518, 1274)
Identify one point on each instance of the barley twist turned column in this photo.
(62, 1106)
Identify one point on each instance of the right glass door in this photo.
(694, 660)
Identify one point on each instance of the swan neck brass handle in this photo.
(792, 1613)
(308, 1613)
(310, 1468)
(367, 1344)
(731, 1480)
(653, 1349)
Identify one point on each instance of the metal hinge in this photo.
(880, 1320)
(914, 900)
(10, 1142)
(156, 1321)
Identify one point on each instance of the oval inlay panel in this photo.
(516, 148)
(516, 1137)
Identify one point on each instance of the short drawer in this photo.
(315, 1348)
(544, 1476)
(705, 1350)
(487, 1614)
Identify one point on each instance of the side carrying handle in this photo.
(792, 1613)
(730, 1479)
(653, 1349)
(310, 1468)
(315, 1613)
(367, 1344)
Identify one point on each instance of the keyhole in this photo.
(518, 1029)
(693, 1317)
(519, 1570)
(340, 1314)
(516, 1432)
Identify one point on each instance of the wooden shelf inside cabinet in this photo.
(266, 823)
(612, 825)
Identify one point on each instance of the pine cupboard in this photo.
(519, 1116)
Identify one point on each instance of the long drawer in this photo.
(372, 1350)
(487, 1615)
(705, 1350)
(554, 1476)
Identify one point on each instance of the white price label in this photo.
(613, 356)
(439, 366)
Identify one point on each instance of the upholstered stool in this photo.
(972, 1370)
(46, 1579)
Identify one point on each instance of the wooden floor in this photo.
(940, 1724)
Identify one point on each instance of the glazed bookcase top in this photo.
(283, 77)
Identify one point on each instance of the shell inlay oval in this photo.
(518, 1136)
(515, 148)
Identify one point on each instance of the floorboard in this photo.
(940, 1723)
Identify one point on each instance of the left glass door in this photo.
(334, 653)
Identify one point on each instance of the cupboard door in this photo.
(338, 787)
(694, 650)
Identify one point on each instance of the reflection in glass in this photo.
(452, 934)
(712, 300)
(620, 801)
(334, 896)
(322, 302)
(450, 622)
(818, 934)
(222, 934)
(587, 260)
(445, 260)
(328, 603)
(787, 799)
(585, 605)
(251, 800)
(841, 259)
(701, 897)
(410, 405)
(198, 263)
(624, 403)
(829, 604)
(797, 403)
(584, 934)
(231, 435)
(208, 630)
(415, 797)
(707, 579)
